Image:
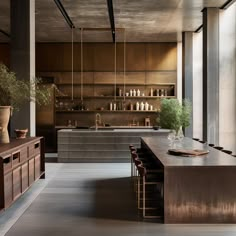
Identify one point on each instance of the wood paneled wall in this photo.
(100, 57)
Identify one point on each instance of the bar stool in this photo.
(227, 151)
(143, 181)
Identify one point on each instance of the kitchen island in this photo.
(106, 144)
(197, 189)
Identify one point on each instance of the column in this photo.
(187, 70)
(22, 57)
(227, 81)
(211, 75)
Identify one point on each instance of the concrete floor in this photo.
(89, 199)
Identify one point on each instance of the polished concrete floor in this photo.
(89, 199)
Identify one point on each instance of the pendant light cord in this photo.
(81, 61)
(124, 63)
(115, 71)
(72, 63)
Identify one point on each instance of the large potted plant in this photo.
(175, 115)
(14, 93)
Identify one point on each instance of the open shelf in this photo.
(100, 111)
(117, 97)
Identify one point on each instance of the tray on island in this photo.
(187, 152)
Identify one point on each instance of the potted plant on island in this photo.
(14, 93)
(175, 115)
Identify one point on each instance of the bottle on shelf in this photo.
(134, 93)
(138, 92)
(114, 106)
(146, 106)
(165, 93)
(141, 106)
(151, 107)
(162, 92)
(131, 92)
(158, 92)
(111, 106)
(137, 106)
(151, 92)
(120, 92)
(131, 106)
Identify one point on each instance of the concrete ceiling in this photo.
(143, 21)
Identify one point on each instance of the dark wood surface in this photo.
(16, 144)
(22, 162)
(196, 189)
(160, 145)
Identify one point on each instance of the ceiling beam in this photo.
(64, 13)
(227, 4)
(111, 17)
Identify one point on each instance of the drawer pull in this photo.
(36, 145)
(6, 160)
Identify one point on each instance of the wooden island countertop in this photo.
(199, 189)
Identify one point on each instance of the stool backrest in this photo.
(141, 170)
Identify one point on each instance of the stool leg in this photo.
(144, 197)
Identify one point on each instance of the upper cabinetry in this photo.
(150, 74)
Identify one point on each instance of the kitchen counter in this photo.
(108, 144)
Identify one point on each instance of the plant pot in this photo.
(21, 133)
(5, 112)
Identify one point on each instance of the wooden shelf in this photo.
(101, 111)
(118, 84)
(117, 97)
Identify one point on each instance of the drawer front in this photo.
(15, 158)
(23, 154)
(37, 166)
(34, 148)
(7, 163)
(31, 171)
(25, 176)
(16, 182)
(8, 194)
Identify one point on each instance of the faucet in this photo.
(98, 120)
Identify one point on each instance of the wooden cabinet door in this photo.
(8, 194)
(37, 166)
(16, 182)
(25, 176)
(31, 171)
